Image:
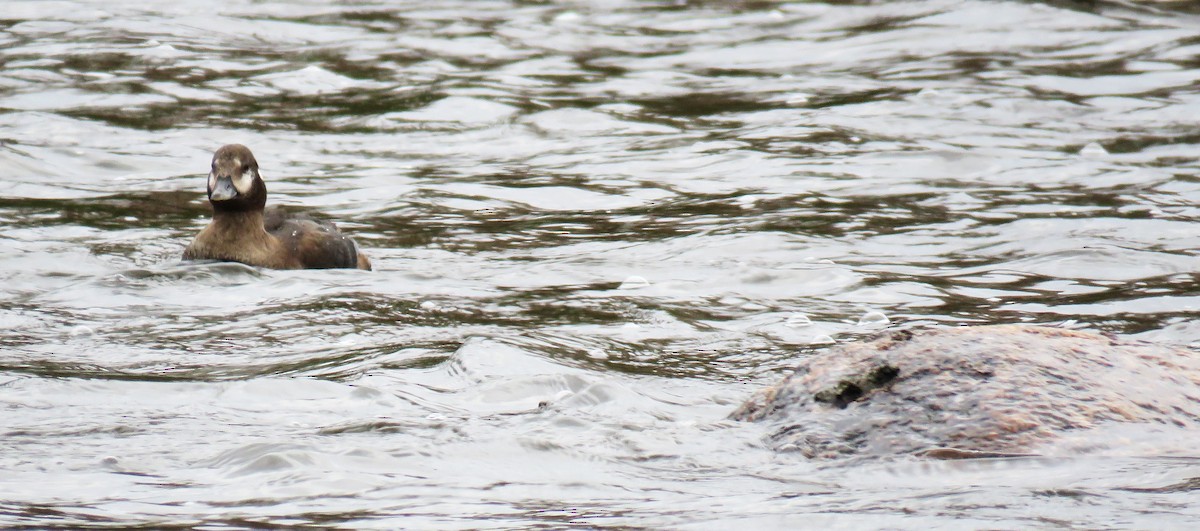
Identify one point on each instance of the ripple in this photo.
(459, 109)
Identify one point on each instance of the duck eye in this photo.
(245, 168)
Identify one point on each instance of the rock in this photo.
(974, 392)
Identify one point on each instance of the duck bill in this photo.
(223, 191)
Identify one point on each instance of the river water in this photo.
(596, 227)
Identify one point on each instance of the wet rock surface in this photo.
(974, 392)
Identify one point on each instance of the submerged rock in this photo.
(974, 391)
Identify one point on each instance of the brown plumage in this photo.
(243, 230)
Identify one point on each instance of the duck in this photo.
(244, 230)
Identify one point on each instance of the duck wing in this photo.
(317, 244)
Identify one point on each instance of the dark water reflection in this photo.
(596, 228)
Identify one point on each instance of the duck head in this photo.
(234, 182)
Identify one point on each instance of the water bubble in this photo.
(82, 330)
(569, 16)
(1093, 149)
(797, 99)
(798, 320)
(429, 305)
(631, 326)
(109, 462)
(634, 282)
(873, 319)
(822, 339)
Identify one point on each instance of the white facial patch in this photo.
(243, 181)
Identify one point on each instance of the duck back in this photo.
(315, 243)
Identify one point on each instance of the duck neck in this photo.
(243, 223)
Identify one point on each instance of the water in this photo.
(596, 228)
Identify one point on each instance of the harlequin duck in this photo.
(243, 231)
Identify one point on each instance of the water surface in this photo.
(596, 228)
